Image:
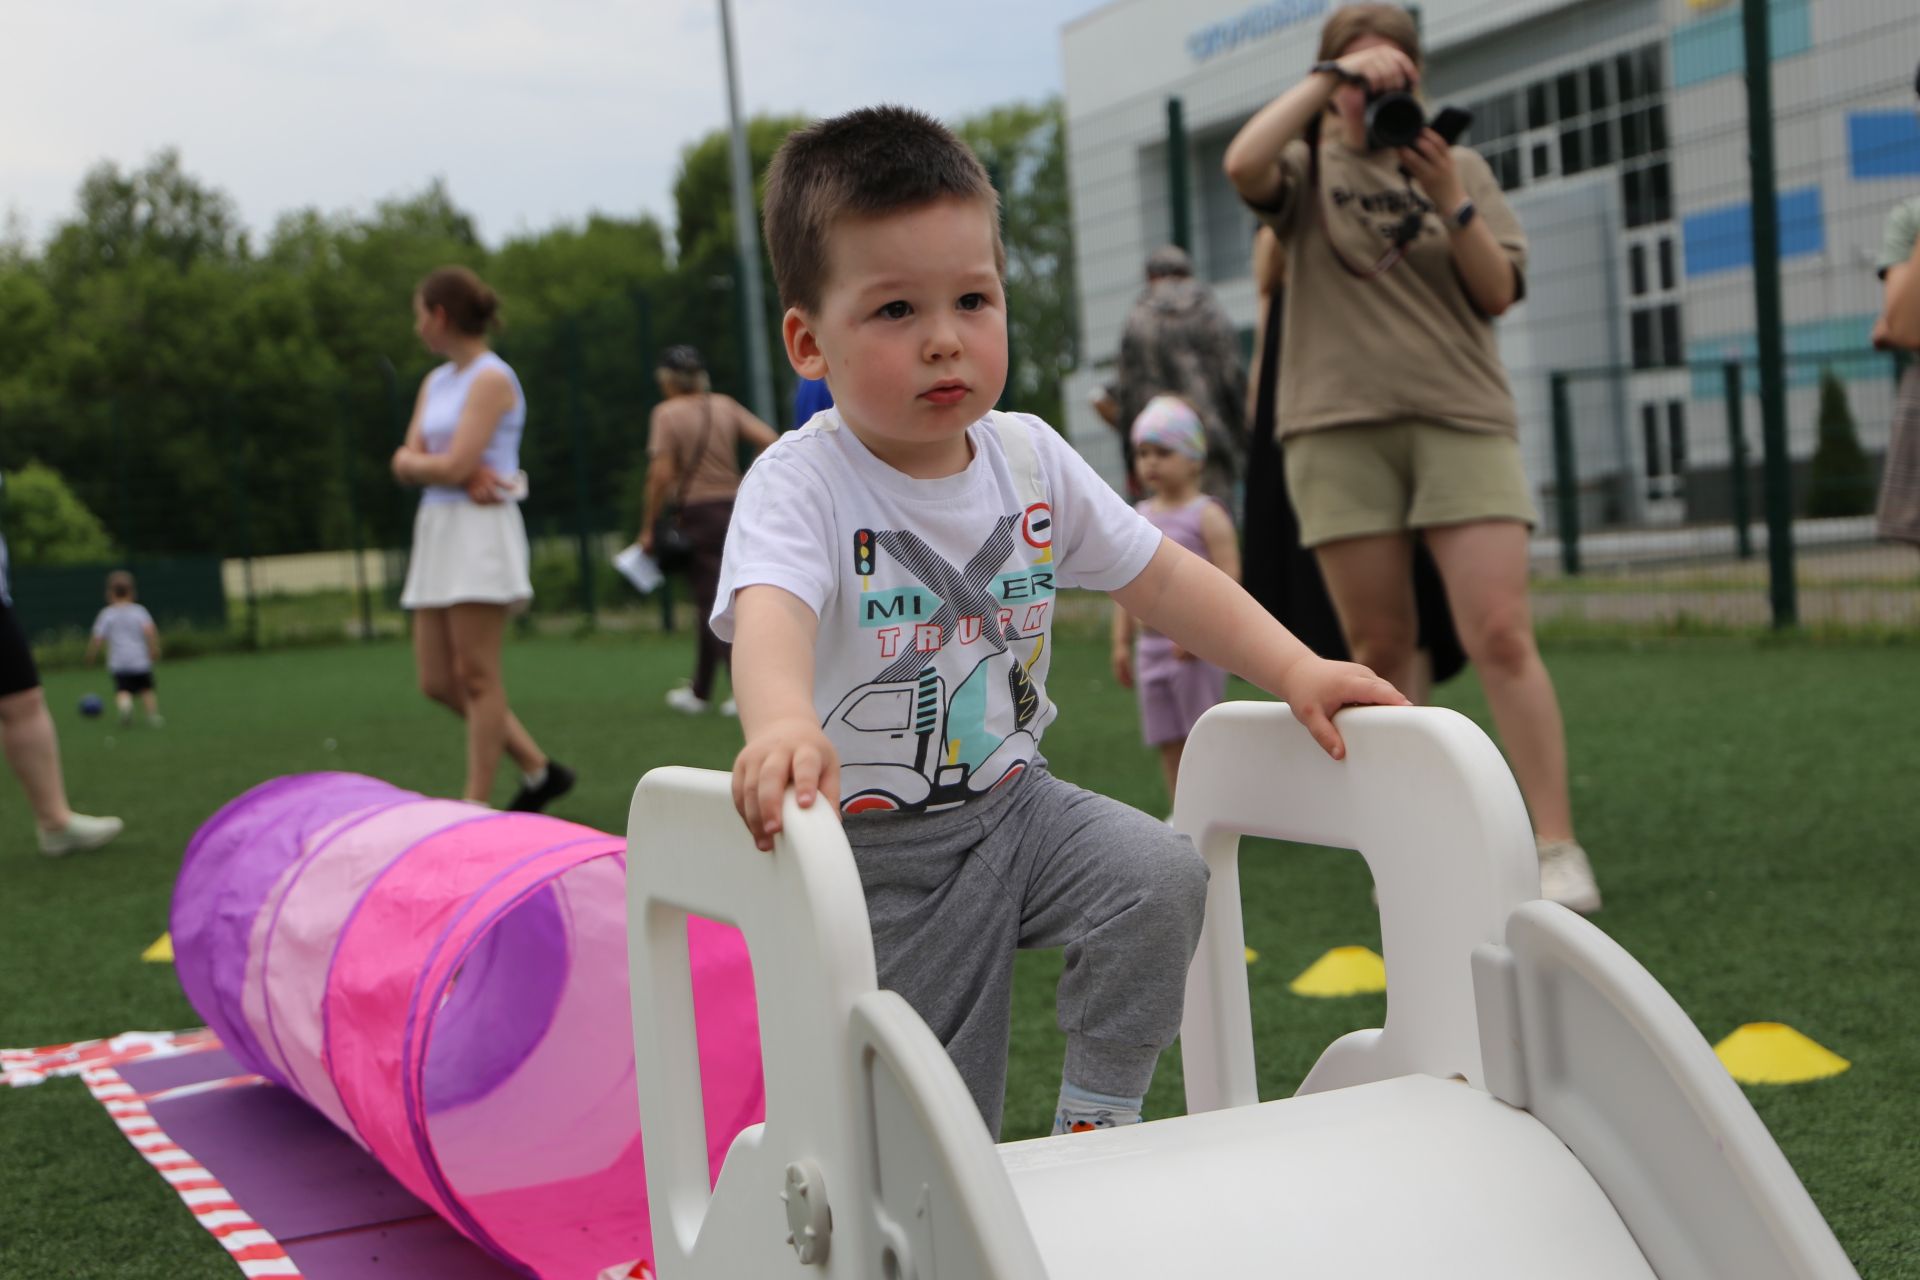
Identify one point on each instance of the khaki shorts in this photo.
(1354, 482)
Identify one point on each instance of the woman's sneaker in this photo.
(1566, 877)
(80, 834)
(686, 702)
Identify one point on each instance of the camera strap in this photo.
(1404, 234)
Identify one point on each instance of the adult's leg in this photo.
(433, 658)
(706, 524)
(32, 748)
(477, 632)
(1484, 564)
(1371, 582)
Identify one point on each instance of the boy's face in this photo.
(911, 332)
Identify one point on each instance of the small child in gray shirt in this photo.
(133, 645)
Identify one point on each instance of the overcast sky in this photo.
(534, 111)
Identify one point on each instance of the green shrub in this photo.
(47, 525)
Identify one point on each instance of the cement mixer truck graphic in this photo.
(908, 741)
(908, 745)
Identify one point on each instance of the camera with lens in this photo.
(1394, 119)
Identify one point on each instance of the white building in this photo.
(1619, 130)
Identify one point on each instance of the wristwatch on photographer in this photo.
(1462, 214)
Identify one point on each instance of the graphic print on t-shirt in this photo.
(950, 709)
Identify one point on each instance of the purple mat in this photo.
(336, 1212)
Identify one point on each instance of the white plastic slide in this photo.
(1536, 1104)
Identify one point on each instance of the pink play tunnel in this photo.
(448, 985)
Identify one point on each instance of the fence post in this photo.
(1766, 299)
(1182, 223)
(123, 516)
(243, 519)
(343, 419)
(643, 320)
(1737, 463)
(1566, 478)
(576, 421)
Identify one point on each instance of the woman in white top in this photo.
(469, 563)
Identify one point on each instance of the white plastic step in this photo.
(1413, 1176)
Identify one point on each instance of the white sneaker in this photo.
(80, 834)
(730, 708)
(1566, 877)
(683, 700)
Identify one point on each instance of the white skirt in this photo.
(464, 553)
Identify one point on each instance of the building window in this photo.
(1637, 268)
(1666, 262)
(1597, 95)
(1600, 142)
(1542, 160)
(1623, 72)
(1643, 344)
(1568, 91)
(1671, 356)
(1660, 192)
(1650, 439)
(1676, 436)
(1573, 155)
(1539, 106)
(1633, 135)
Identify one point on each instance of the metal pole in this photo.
(1566, 479)
(243, 517)
(1182, 219)
(582, 523)
(345, 417)
(1738, 467)
(747, 234)
(1766, 300)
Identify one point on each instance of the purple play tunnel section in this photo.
(448, 985)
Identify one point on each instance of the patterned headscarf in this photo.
(1171, 423)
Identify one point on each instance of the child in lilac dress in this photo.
(1175, 688)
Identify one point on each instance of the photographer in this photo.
(1394, 408)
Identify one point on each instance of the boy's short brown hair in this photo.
(866, 163)
(120, 585)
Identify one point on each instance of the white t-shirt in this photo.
(935, 597)
(124, 628)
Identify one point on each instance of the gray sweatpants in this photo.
(1038, 863)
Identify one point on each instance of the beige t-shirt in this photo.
(1406, 344)
(678, 425)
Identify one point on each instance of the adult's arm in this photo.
(1252, 160)
(488, 401)
(1899, 323)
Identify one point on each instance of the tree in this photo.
(1840, 479)
(47, 524)
(707, 299)
(1024, 146)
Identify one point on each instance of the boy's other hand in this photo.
(1316, 688)
(1123, 666)
(791, 752)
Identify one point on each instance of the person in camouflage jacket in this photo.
(1179, 341)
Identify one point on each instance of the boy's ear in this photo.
(803, 349)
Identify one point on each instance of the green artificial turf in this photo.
(1751, 811)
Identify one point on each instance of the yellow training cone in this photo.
(1774, 1053)
(161, 952)
(1343, 971)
